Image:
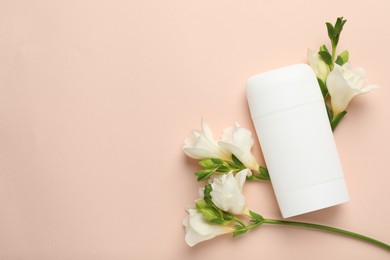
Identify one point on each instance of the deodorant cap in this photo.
(289, 114)
(280, 89)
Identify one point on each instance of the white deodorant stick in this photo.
(289, 114)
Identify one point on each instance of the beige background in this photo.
(96, 98)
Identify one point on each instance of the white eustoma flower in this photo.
(345, 82)
(202, 145)
(238, 141)
(318, 65)
(227, 192)
(198, 229)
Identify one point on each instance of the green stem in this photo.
(336, 119)
(333, 55)
(240, 222)
(329, 229)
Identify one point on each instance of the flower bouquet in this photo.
(226, 164)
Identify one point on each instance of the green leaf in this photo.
(233, 167)
(207, 212)
(257, 177)
(262, 175)
(342, 58)
(209, 201)
(218, 221)
(215, 164)
(210, 212)
(237, 162)
(330, 113)
(204, 174)
(337, 120)
(217, 161)
(239, 230)
(337, 30)
(264, 172)
(256, 216)
(227, 216)
(330, 29)
(201, 204)
(254, 177)
(207, 190)
(210, 204)
(324, 89)
(326, 57)
(323, 48)
(338, 27)
(223, 168)
(334, 31)
(339, 61)
(211, 215)
(210, 163)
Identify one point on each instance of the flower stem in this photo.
(239, 221)
(329, 229)
(333, 54)
(336, 119)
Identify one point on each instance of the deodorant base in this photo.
(313, 198)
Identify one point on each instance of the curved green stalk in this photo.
(329, 229)
(333, 56)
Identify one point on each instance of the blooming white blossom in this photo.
(202, 145)
(318, 65)
(227, 192)
(238, 141)
(345, 82)
(198, 229)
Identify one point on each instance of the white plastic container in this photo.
(292, 125)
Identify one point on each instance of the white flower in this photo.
(318, 65)
(227, 192)
(198, 229)
(202, 145)
(238, 141)
(345, 82)
(227, 195)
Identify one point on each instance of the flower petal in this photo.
(198, 229)
(339, 89)
(368, 88)
(238, 141)
(201, 145)
(241, 177)
(317, 64)
(192, 237)
(227, 192)
(245, 156)
(198, 153)
(345, 82)
(208, 134)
